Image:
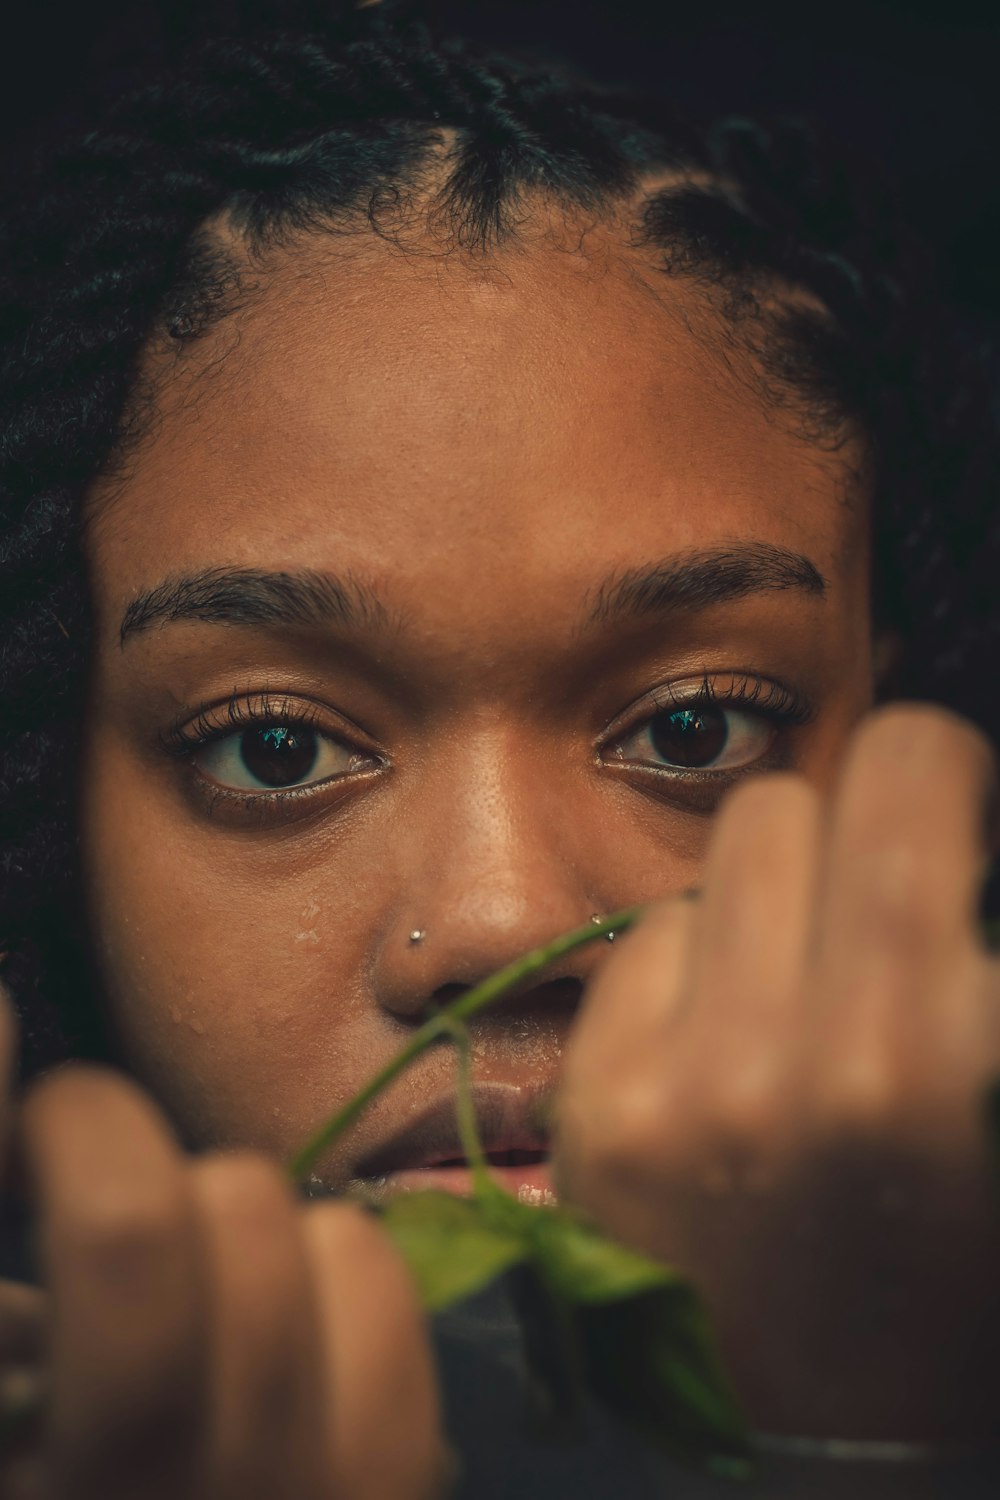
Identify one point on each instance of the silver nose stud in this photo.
(419, 933)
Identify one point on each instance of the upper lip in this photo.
(510, 1118)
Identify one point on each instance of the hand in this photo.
(778, 1087)
(208, 1336)
(21, 1313)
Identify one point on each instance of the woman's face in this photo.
(486, 528)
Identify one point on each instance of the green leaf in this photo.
(583, 1265)
(647, 1343)
(597, 1317)
(449, 1245)
(652, 1360)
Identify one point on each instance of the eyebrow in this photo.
(698, 580)
(252, 596)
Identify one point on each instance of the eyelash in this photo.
(772, 700)
(775, 702)
(185, 737)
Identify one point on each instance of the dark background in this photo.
(914, 88)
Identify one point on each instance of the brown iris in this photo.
(692, 737)
(278, 755)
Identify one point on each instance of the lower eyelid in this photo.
(233, 806)
(698, 793)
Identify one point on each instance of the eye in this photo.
(269, 757)
(700, 737)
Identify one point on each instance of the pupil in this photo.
(279, 756)
(691, 737)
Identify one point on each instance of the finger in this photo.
(613, 1092)
(898, 996)
(634, 993)
(22, 1329)
(119, 1256)
(383, 1414)
(734, 1097)
(8, 1053)
(266, 1395)
(758, 908)
(22, 1389)
(906, 851)
(22, 1323)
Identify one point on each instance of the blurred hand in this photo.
(778, 1086)
(22, 1311)
(208, 1336)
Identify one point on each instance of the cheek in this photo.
(236, 995)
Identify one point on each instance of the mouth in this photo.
(428, 1153)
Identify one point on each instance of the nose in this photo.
(489, 868)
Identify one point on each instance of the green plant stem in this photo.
(465, 1109)
(442, 1025)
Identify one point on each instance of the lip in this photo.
(428, 1153)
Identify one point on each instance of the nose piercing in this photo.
(419, 933)
(598, 919)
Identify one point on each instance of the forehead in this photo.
(423, 419)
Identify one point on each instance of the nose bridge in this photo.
(486, 871)
(497, 849)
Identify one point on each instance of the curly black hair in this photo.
(338, 124)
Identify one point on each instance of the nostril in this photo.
(552, 999)
(444, 995)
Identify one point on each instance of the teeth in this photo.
(536, 1197)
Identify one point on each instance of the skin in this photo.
(176, 1363)
(799, 1058)
(405, 421)
(408, 433)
